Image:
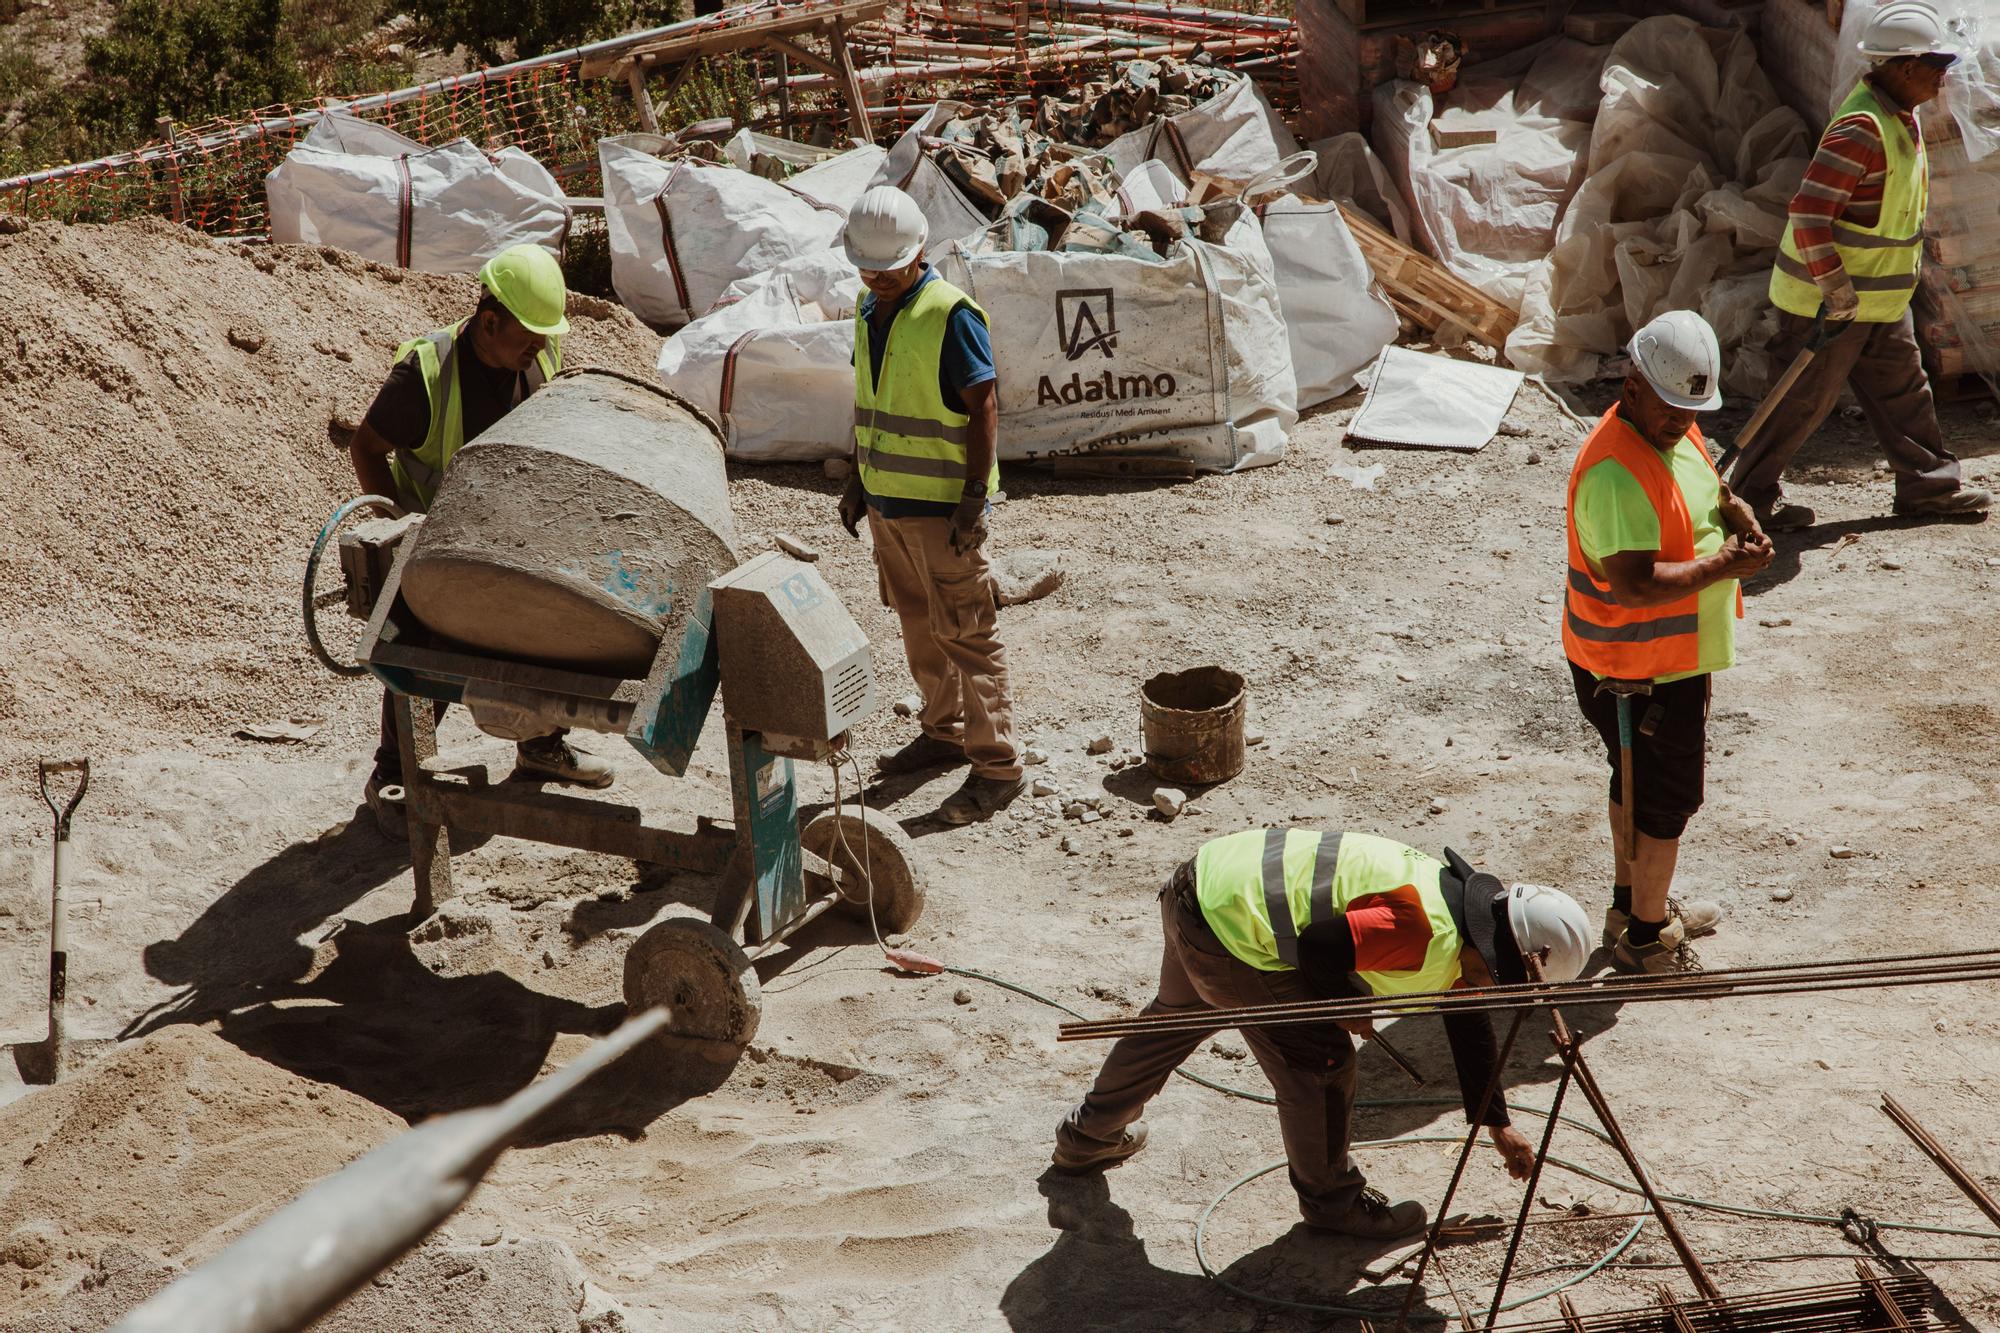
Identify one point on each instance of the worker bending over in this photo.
(1657, 548)
(446, 388)
(1268, 916)
(926, 438)
(1852, 250)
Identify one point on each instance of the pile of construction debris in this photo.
(1139, 92)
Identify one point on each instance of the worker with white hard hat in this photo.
(1850, 258)
(1272, 915)
(1657, 549)
(447, 387)
(926, 460)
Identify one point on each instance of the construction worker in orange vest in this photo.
(1657, 548)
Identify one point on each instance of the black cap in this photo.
(1478, 906)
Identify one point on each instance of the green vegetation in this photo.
(499, 30)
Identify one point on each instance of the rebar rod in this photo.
(1937, 1152)
(1528, 1194)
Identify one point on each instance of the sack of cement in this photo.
(365, 188)
(770, 358)
(1182, 358)
(682, 230)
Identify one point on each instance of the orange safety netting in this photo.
(211, 177)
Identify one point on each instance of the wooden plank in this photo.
(787, 47)
(1426, 290)
(642, 102)
(734, 36)
(857, 101)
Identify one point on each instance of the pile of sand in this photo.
(166, 464)
(172, 1146)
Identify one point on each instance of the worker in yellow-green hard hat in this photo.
(447, 387)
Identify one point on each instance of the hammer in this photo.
(1623, 690)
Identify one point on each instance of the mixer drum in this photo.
(579, 530)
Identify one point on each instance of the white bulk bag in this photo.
(1336, 317)
(950, 215)
(773, 361)
(1233, 136)
(365, 188)
(681, 230)
(1104, 354)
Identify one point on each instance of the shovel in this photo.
(57, 1046)
(1815, 341)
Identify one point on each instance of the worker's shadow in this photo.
(1098, 1274)
(1821, 540)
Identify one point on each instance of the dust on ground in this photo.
(879, 1156)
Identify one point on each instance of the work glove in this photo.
(1841, 302)
(853, 504)
(968, 525)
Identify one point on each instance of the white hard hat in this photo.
(1905, 28)
(886, 230)
(1677, 354)
(1545, 918)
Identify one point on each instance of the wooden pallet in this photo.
(1426, 291)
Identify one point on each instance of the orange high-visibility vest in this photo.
(1625, 642)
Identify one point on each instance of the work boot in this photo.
(922, 753)
(1964, 500)
(554, 758)
(1698, 918)
(979, 798)
(385, 802)
(1668, 956)
(1784, 517)
(1372, 1217)
(1077, 1162)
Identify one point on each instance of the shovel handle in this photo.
(1816, 339)
(52, 767)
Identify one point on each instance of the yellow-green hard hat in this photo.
(528, 281)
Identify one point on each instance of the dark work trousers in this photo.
(1311, 1067)
(1882, 364)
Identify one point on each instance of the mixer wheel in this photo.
(861, 847)
(705, 980)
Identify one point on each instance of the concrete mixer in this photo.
(577, 569)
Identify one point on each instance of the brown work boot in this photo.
(1964, 500)
(1668, 956)
(554, 759)
(1698, 918)
(1372, 1217)
(979, 798)
(922, 753)
(1080, 1161)
(1784, 517)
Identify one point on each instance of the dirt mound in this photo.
(172, 1145)
(164, 454)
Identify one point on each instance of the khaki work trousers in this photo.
(1311, 1067)
(1882, 363)
(951, 637)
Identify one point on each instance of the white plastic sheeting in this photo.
(682, 231)
(1108, 355)
(1693, 162)
(773, 361)
(1419, 400)
(365, 188)
(1489, 211)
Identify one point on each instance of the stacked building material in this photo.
(1958, 299)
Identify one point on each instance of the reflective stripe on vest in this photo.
(1881, 261)
(908, 443)
(418, 471)
(1628, 642)
(1261, 888)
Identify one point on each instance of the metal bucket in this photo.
(1193, 724)
(579, 530)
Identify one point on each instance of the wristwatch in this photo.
(975, 488)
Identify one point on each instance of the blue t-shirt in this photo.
(965, 359)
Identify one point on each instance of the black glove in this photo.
(968, 525)
(853, 504)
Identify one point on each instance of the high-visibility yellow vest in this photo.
(418, 471)
(907, 443)
(1881, 261)
(1260, 888)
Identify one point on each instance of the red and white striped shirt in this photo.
(1844, 183)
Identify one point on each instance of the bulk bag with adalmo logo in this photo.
(1181, 358)
(365, 188)
(682, 230)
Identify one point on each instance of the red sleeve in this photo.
(1392, 932)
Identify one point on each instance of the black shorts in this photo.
(1669, 764)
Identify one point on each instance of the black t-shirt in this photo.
(401, 412)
